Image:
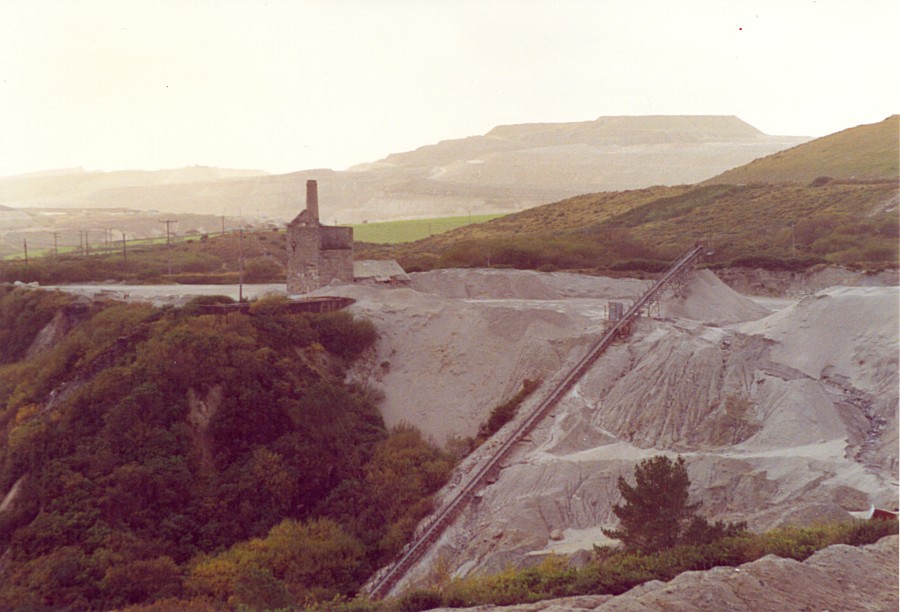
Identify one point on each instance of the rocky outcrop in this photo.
(201, 409)
(63, 321)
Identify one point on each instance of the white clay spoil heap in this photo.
(785, 417)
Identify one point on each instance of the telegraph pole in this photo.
(241, 267)
(25, 244)
(168, 222)
(55, 244)
(793, 240)
(124, 252)
(169, 240)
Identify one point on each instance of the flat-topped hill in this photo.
(510, 168)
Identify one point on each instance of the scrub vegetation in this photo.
(159, 455)
(614, 572)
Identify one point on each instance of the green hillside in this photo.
(160, 454)
(776, 225)
(865, 152)
(833, 200)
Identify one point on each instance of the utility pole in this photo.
(223, 225)
(241, 267)
(124, 252)
(793, 241)
(169, 240)
(25, 244)
(168, 222)
(55, 244)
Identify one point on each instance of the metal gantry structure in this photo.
(673, 277)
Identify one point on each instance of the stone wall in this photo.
(303, 258)
(335, 264)
(318, 255)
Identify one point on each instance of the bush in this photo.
(343, 335)
(640, 265)
(798, 264)
(419, 599)
(503, 413)
(195, 306)
(263, 270)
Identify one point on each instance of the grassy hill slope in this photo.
(864, 152)
(844, 223)
(772, 210)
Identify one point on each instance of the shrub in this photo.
(503, 413)
(798, 264)
(343, 335)
(419, 599)
(640, 265)
(263, 270)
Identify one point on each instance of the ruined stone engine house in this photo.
(317, 254)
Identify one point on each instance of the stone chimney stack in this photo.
(312, 199)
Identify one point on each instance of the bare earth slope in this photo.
(783, 418)
(466, 340)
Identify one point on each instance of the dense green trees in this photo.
(149, 446)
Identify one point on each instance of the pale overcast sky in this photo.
(284, 85)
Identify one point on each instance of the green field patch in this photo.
(392, 232)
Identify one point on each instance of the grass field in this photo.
(393, 232)
(96, 248)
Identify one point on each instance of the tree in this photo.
(656, 512)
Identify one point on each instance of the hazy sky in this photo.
(296, 84)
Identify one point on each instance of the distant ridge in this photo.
(510, 168)
(771, 209)
(870, 151)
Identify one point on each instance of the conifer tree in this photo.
(655, 512)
